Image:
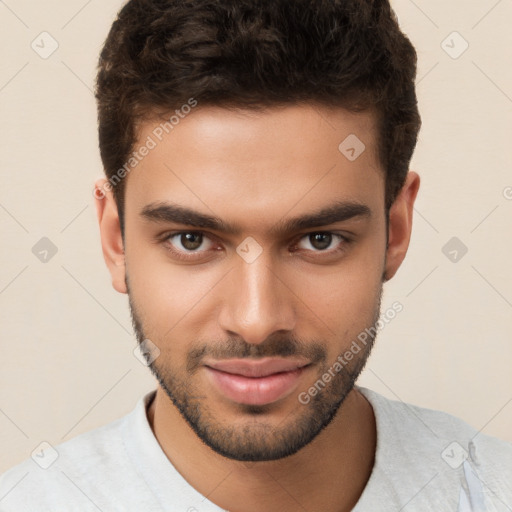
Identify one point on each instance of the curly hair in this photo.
(256, 54)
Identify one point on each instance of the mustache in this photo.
(237, 348)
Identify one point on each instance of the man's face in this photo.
(248, 318)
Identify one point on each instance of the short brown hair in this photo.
(257, 54)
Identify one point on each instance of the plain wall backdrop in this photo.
(67, 363)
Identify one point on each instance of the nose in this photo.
(257, 302)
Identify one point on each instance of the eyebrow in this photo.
(337, 212)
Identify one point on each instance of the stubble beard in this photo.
(258, 439)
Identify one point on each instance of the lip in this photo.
(257, 382)
(258, 367)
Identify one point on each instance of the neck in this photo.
(329, 474)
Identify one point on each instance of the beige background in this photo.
(67, 362)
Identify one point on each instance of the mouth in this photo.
(258, 382)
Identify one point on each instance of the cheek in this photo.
(343, 309)
(344, 298)
(168, 297)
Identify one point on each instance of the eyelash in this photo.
(195, 255)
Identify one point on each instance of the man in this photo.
(257, 198)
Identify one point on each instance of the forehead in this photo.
(257, 164)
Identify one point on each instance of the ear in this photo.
(110, 231)
(400, 225)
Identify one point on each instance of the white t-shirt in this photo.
(425, 461)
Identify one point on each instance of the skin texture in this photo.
(255, 171)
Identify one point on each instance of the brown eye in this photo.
(191, 241)
(191, 246)
(323, 242)
(320, 241)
